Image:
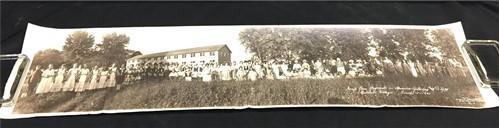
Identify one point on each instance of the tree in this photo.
(48, 56)
(78, 47)
(388, 47)
(345, 43)
(113, 49)
(304, 43)
(352, 43)
(444, 40)
(409, 44)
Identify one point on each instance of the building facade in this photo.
(217, 54)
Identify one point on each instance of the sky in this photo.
(159, 39)
(144, 39)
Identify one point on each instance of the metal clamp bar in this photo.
(484, 55)
(12, 86)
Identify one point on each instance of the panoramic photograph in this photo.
(194, 67)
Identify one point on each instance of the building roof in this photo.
(183, 51)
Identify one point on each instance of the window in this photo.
(184, 55)
(175, 57)
(167, 57)
(193, 54)
(193, 62)
(212, 53)
(202, 53)
(212, 61)
(202, 62)
(183, 62)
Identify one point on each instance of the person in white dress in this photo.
(296, 68)
(59, 79)
(268, 71)
(305, 72)
(233, 70)
(318, 68)
(252, 75)
(103, 78)
(240, 74)
(173, 73)
(82, 81)
(259, 70)
(46, 81)
(276, 70)
(195, 71)
(41, 84)
(51, 74)
(93, 81)
(353, 69)
(420, 68)
(412, 68)
(284, 68)
(111, 82)
(181, 72)
(207, 73)
(225, 72)
(71, 82)
(340, 67)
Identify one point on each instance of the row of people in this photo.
(79, 78)
(281, 69)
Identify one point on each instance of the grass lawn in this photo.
(265, 92)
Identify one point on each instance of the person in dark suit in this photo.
(34, 80)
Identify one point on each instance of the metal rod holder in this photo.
(484, 55)
(13, 85)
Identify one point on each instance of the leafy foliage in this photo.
(78, 46)
(349, 43)
(113, 48)
(48, 56)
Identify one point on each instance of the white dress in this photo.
(226, 73)
(306, 73)
(252, 75)
(51, 79)
(240, 74)
(296, 69)
(41, 84)
(71, 82)
(207, 75)
(341, 68)
(93, 81)
(284, 68)
(82, 81)
(45, 82)
(319, 69)
(412, 68)
(353, 70)
(102, 81)
(173, 73)
(59, 81)
(111, 82)
(259, 71)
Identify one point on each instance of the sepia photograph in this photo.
(198, 67)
